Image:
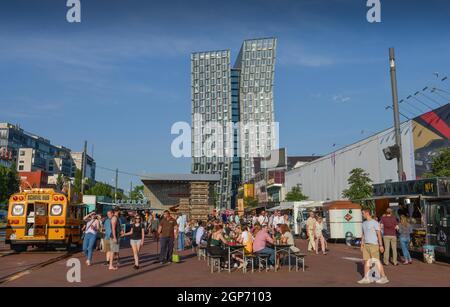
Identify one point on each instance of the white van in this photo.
(301, 209)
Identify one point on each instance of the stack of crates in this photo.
(199, 204)
(183, 207)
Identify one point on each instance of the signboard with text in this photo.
(438, 187)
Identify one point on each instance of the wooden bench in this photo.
(299, 257)
(215, 262)
(263, 261)
(201, 252)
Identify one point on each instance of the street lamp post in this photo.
(395, 108)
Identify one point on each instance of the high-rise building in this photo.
(77, 158)
(232, 113)
(211, 103)
(256, 62)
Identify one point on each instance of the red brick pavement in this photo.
(340, 267)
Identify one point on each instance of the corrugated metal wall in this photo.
(326, 178)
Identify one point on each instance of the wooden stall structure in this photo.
(199, 200)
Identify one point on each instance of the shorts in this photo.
(106, 245)
(371, 251)
(112, 247)
(135, 242)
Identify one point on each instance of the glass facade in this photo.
(211, 103)
(235, 116)
(239, 95)
(257, 63)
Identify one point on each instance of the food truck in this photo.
(301, 213)
(425, 202)
(343, 220)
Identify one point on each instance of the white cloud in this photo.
(341, 98)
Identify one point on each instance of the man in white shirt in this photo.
(277, 219)
(199, 234)
(271, 219)
(263, 219)
(254, 220)
(311, 231)
(181, 221)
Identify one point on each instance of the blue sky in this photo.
(121, 77)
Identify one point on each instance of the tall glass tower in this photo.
(256, 62)
(232, 113)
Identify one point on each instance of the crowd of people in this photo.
(106, 233)
(256, 232)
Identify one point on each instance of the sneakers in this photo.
(383, 280)
(365, 281)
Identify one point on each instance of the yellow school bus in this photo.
(44, 218)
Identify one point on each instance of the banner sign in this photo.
(438, 187)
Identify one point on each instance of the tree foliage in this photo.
(137, 193)
(440, 166)
(360, 186)
(100, 189)
(77, 181)
(103, 189)
(296, 194)
(61, 181)
(250, 202)
(9, 182)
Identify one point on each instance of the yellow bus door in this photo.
(41, 219)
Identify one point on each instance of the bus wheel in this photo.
(19, 248)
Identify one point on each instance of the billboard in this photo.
(431, 133)
(249, 190)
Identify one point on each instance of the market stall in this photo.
(426, 204)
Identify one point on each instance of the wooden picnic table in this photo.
(282, 248)
(235, 249)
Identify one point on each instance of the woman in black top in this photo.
(137, 235)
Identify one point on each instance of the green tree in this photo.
(137, 193)
(61, 180)
(440, 166)
(295, 194)
(9, 182)
(13, 180)
(250, 202)
(3, 184)
(100, 189)
(360, 186)
(120, 195)
(77, 181)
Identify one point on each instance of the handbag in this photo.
(175, 258)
